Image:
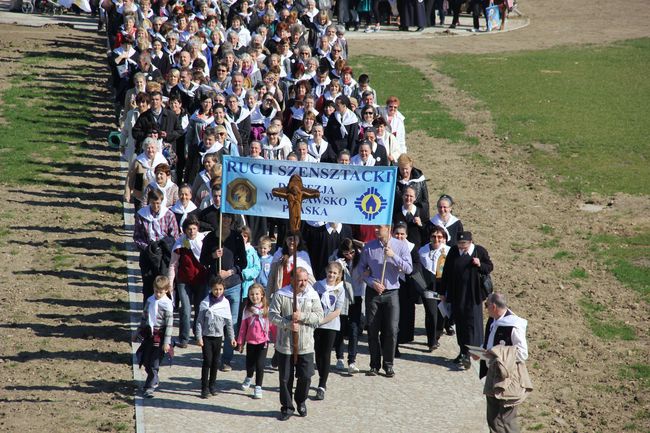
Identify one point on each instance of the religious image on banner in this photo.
(345, 193)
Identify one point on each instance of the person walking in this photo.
(461, 288)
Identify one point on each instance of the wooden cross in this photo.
(294, 193)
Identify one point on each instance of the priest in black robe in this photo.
(461, 288)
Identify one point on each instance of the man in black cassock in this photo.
(322, 239)
(462, 289)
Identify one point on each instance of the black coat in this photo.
(414, 232)
(146, 123)
(460, 283)
(233, 258)
(337, 140)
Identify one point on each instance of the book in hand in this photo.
(483, 354)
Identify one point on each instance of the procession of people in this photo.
(195, 82)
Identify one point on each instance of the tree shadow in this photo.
(121, 389)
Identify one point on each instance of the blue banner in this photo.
(348, 194)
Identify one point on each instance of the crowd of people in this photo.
(193, 82)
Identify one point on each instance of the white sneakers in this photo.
(353, 369)
(246, 383)
(257, 394)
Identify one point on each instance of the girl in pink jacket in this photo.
(255, 332)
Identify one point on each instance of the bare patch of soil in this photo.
(65, 357)
(538, 237)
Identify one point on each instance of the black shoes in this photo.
(419, 29)
(302, 410)
(285, 415)
(433, 347)
(204, 394)
(320, 393)
(466, 362)
(372, 372)
(390, 372)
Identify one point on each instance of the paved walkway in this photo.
(85, 22)
(427, 392)
(79, 22)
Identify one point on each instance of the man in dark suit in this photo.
(157, 117)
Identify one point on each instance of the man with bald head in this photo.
(305, 320)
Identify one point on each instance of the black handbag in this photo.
(486, 285)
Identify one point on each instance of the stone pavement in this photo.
(79, 22)
(428, 392)
(85, 22)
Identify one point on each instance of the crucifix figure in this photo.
(294, 193)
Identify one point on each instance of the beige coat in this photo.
(506, 378)
(280, 312)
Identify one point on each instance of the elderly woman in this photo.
(154, 233)
(444, 218)
(407, 175)
(273, 147)
(395, 120)
(432, 257)
(164, 184)
(141, 173)
(184, 206)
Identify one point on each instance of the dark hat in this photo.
(464, 236)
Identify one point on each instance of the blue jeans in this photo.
(189, 295)
(200, 294)
(233, 294)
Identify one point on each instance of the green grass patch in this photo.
(601, 323)
(42, 122)
(415, 91)
(628, 259)
(638, 372)
(563, 255)
(60, 260)
(587, 108)
(536, 427)
(546, 229)
(550, 243)
(578, 273)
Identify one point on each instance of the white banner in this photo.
(348, 194)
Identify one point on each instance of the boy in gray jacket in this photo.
(303, 321)
(214, 315)
(155, 330)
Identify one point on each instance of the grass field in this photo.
(583, 110)
(37, 130)
(416, 95)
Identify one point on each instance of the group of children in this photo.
(214, 326)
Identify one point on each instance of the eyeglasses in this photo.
(393, 106)
(367, 112)
(271, 133)
(337, 51)
(221, 133)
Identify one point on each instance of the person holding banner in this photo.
(385, 259)
(282, 264)
(224, 255)
(308, 316)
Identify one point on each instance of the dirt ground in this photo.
(65, 353)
